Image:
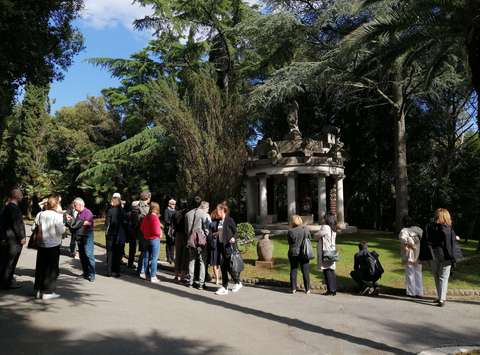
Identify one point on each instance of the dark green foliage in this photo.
(37, 43)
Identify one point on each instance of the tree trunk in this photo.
(401, 173)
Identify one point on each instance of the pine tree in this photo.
(29, 153)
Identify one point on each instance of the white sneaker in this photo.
(143, 276)
(237, 287)
(154, 280)
(222, 291)
(50, 296)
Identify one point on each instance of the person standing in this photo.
(442, 241)
(152, 231)
(115, 224)
(197, 222)
(73, 242)
(169, 216)
(51, 222)
(13, 239)
(181, 249)
(139, 210)
(326, 237)
(227, 231)
(410, 237)
(214, 243)
(296, 235)
(83, 226)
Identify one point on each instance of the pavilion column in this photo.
(322, 197)
(291, 195)
(251, 200)
(263, 198)
(340, 203)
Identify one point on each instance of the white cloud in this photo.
(108, 13)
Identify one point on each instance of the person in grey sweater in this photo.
(197, 221)
(296, 235)
(52, 227)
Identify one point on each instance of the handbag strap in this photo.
(193, 223)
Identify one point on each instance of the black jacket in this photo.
(13, 222)
(295, 239)
(442, 240)
(229, 231)
(116, 224)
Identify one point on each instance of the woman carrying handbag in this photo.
(299, 253)
(327, 253)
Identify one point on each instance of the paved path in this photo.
(131, 316)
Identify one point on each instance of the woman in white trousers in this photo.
(410, 236)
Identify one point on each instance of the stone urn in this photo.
(265, 246)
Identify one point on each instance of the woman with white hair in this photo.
(169, 215)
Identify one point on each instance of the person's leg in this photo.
(132, 250)
(73, 244)
(436, 276)
(202, 255)
(140, 265)
(410, 280)
(52, 258)
(418, 280)
(333, 279)
(306, 275)
(293, 272)
(118, 250)
(358, 279)
(155, 251)
(83, 256)
(38, 285)
(16, 251)
(192, 258)
(224, 267)
(89, 251)
(109, 245)
(443, 278)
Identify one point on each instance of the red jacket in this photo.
(151, 227)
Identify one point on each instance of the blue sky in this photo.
(108, 32)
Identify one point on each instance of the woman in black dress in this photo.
(214, 246)
(115, 224)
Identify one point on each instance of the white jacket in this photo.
(410, 244)
(52, 228)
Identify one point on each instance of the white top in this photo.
(326, 241)
(52, 228)
(410, 244)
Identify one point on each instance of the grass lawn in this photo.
(466, 276)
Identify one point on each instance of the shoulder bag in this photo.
(37, 235)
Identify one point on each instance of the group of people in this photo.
(438, 246)
(367, 268)
(196, 239)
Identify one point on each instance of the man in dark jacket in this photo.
(13, 239)
(367, 269)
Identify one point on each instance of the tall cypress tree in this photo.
(29, 153)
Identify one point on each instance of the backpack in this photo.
(373, 267)
(136, 216)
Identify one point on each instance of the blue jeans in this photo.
(150, 255)
(87, 257)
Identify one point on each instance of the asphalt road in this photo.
(132, 316)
